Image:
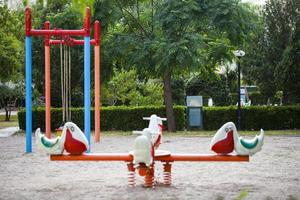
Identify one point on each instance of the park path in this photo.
(6, 132)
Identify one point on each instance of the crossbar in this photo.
(126, 157)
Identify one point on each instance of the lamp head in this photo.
(239, 53)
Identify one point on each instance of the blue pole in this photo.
(28, 49)
(87, 92)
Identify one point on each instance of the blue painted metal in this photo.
(87, 92)
(28, 74)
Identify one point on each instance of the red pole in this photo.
(86, 24)
(97, 32)
(47, 82)
(27, 21)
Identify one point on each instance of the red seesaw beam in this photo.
(169, 158)
(94, 157)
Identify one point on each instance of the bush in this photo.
(112, 118)
(130, 118)
(254, 117)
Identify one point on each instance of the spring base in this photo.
(131, 175)
(149, 180)
(167, 174)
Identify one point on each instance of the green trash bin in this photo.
(195, 112)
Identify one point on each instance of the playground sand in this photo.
(272, 173)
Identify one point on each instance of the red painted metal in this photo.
(94, 157)
(167, 175)
(47, 37)
(87, 21)
(97, 79)
(97, 32)
(149, 180)
(131, 174)
(168, 158)
(204, 158)
(27, 21)
(75, 42)
(47, 83)
(58, 32)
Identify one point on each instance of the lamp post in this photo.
(239, 54)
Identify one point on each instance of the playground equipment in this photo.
(72, 140)
(63, 38)
(145, 145)
(227, 139)
(145, 154)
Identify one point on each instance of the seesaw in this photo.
(144, 155)
(148, 172)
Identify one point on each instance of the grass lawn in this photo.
(13, 121)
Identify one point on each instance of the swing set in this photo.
(64, 39)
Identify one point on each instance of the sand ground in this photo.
(273, 173)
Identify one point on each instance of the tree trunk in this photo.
(7, 114)
(169, 101)
(285, 97)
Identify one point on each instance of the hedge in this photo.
(254, 117)
(130, 118)
(112, 118)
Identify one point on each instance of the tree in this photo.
(126, 89)
(11, 58)
(272, 58)
(165, 38)
(11, 50)
(9, 94)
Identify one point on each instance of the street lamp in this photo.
(239, 54)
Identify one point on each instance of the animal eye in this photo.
(72, 128)
(226, 129)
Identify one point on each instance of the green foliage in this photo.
(212, 86)
(11, 45)
(123, 86)
(168, 37)
(81, 5)
(9, 94)
(273, 53)
(62, 16)
(178, 91)
(125, 89)
(151, 94)
(254, 117)
(130, 118)
(112, 118)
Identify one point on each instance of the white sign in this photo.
(194, 101)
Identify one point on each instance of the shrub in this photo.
(130, 118)
(254, 117)
(112, 118)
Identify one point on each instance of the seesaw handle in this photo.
(148, 118)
